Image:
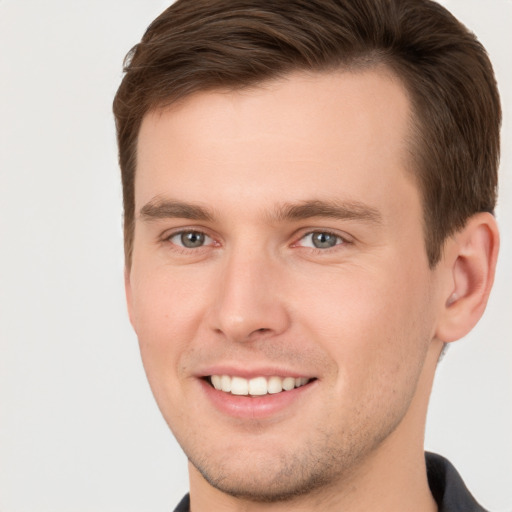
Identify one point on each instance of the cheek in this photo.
(165, 300)
(166, 313)
(369, 322)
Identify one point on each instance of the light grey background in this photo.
(79, 430)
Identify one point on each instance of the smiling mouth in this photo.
(257, 386)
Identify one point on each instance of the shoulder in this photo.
(447, 486)
(183, 505)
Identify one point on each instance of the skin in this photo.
(365, 318)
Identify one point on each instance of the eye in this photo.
(320, 240)
(190, 239)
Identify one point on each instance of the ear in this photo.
(470, 263)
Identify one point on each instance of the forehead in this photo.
(338, 132)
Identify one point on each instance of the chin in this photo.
(268, 474)
(286, 481)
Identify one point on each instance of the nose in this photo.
(249, 303)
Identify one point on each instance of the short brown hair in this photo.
(198, 45)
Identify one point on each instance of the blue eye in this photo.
(321, 240)
(190, 239)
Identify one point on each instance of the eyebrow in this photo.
(342, 210)
(169, 209)
(334, 209)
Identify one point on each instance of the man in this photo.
(308, 193)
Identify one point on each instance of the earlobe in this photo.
(471, 263)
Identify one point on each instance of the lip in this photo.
(255, 407)
(249, 373)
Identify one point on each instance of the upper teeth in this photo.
(257, 385)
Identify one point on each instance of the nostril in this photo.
(257, 333)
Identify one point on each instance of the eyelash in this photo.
(182, 248)
(340, 240)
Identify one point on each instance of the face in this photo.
(280, 288)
